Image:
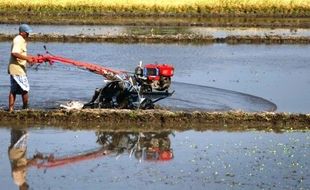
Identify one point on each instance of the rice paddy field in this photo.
(239, 117)
(277, 8)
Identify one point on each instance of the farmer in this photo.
(17, 67)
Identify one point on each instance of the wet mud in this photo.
(157, 119)
(180, 38)
(158, 21)
(191, 97)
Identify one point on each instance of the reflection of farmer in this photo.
(17, 156)
(20, 163)
(17, 67)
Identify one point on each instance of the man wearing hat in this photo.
(17, 67)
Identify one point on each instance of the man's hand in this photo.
(37, 59)
(34, 59)
(30, 59)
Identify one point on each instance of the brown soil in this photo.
(207, 21)
(181, 38)
(108, 119)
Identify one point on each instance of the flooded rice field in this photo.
(217, 77)
(104, 30)
(57, 159)
(212, 77)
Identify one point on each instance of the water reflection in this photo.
(18, 159)
(210, 159)
(143, 146)
(148, 146)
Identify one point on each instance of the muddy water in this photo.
(238, 77)
(171, 160)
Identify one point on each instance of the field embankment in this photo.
(180, 38)
(264, 22)
(157, 120)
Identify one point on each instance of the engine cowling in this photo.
(156, 76)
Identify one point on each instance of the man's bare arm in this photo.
(28, 58)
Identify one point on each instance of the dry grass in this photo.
(146, 7)
(161, 3)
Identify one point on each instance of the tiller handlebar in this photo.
(98, 69)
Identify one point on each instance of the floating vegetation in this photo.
(278, 8)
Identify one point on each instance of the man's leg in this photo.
(12, 98)
(25, 98)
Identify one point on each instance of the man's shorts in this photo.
(19, 84)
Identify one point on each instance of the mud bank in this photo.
(108, 119)
(158, 21)
(182, 38)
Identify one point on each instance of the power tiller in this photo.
(140, 89)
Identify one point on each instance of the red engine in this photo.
(155, 71)
(156, 76)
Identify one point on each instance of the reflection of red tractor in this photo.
(157, 147)
(148, 84)
(149, 146)
(49, 161)
(156, 154)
